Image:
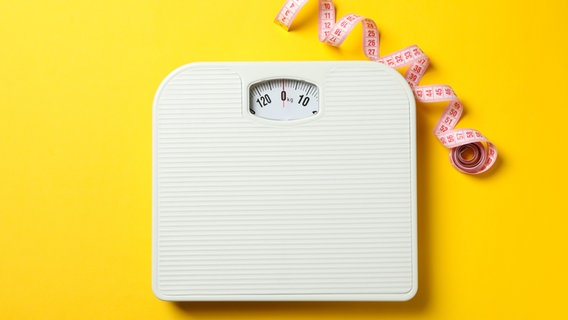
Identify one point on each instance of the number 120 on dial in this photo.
(284, 99)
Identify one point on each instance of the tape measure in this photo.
(470, 151)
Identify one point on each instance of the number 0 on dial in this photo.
(284, 99)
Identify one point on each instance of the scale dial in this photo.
(284, 99)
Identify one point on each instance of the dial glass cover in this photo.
(284, 99)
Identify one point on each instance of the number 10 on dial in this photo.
(284, 99)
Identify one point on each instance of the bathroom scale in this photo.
(284, 181)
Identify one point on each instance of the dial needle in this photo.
(283, 100)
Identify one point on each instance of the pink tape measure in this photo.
(470, 151)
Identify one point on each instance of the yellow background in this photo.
(77, 79)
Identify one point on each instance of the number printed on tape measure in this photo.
(470, 151)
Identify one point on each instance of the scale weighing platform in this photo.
(284, 181)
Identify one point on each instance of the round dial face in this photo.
(284, 99)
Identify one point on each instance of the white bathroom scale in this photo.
(284, 181)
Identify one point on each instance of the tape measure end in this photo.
(282, 25)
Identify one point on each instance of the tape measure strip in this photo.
(470, 151)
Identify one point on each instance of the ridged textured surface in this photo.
(243, 209)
